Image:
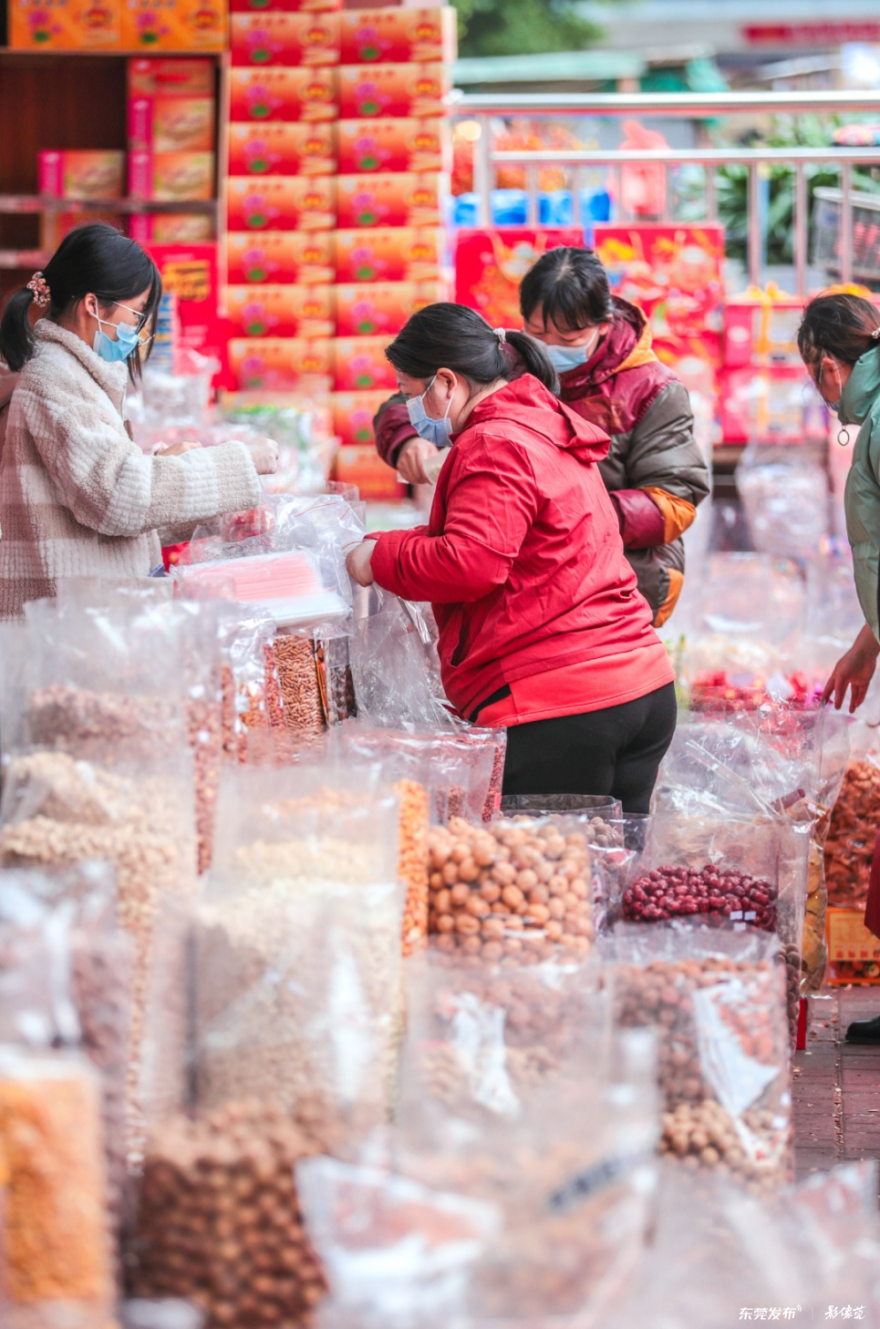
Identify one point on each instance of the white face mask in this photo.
(433, 431)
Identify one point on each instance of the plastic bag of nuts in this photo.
(57, 1249)
(64, 976)
(422, 1245)
(849, 846)
(718, 999)
(566, 1157)
(510, 891)
(57, 812)
(218, 1219)
(297, 957)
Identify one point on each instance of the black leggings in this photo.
(616, 751)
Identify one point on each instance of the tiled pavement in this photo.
(837, 1084)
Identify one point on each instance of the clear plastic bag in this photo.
(395, 1252)
(724, 1059)
(64, 980)
(395, 682)
(785, 494)
(510, 891)
(57, 1249)
(854, 823)
(298, 946)
(563, 1150)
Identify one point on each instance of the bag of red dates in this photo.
(718, 999)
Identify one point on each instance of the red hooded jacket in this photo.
(522, 558)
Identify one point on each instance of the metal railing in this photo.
(485, 107)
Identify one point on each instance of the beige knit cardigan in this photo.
(77, 497)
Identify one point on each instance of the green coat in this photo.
(860, 405)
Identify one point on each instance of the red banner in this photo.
(811, 34)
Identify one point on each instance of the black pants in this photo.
(616, 751)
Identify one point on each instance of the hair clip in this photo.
(40, 289)
(500, 334)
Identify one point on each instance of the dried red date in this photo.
(670, 892)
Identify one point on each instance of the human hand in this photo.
(178, 449)
(358, 562)
(411, 460)
(264, 455)
(854, 671)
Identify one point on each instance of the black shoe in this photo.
(864, 1031)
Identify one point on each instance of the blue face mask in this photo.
(564, 358)
(113, 351)
(433, 431)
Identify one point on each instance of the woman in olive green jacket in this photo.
(839, 341)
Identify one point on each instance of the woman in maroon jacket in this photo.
(542, 629)
(601, 348)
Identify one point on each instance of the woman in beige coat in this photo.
(77, 497)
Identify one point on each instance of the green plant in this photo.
(521, 27)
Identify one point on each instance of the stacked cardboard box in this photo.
(338, 175)
(118, 25)
(171, 146)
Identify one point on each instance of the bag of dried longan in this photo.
(719, 1001)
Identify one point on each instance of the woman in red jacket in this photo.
(542, 628)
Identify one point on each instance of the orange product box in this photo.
(54, 226)
(281, 364)
(280, 311)
(360, 464)
(285, 39)
(393, 253)
(283, 94)
(65, 25)
(169, 177)
(171, 228)
(383, 36)
(404, 199)
(171, 124)
(81, 175)
(300, 258)
(382, 308)
(393, 145)
(853, 951)
(371, 91)
(282, 149)
(171, 78)
(361, 365)
(281, 203)
(184, 25)
(283, 6)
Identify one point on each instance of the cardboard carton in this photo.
(285, 39)
(280, 311)
(281, 364)
(170, 228)
(298, 258)
(374, 91)
(283, 94)
(404, 199)
(171, 176)
(65, 25)
(171, 124)
(281, 149)
(185, 25)
(171, 78)
(81, 175)
(393, 253)
(382, 308)
(393, 145)
(281, 203)
(386, 36)
(361, 365)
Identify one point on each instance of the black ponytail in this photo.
(447, 336)
(840, 325)
(94, 259)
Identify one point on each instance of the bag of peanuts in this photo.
(551, 1120)
(395, 1252)
(56, 1247)
(718, 999)
(64, 974)
(297, 949)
